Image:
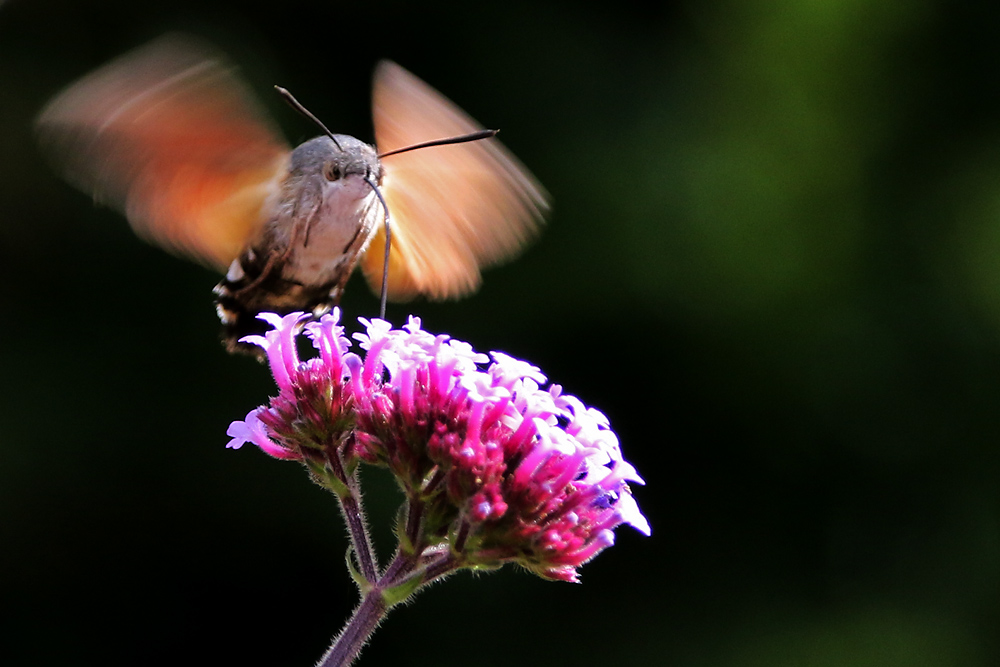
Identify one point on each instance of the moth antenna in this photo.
(474, 136)
(295, 104)
(388, 244)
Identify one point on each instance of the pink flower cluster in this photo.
(501, 469)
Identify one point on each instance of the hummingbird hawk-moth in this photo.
(172, 137)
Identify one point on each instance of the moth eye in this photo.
(332, 172)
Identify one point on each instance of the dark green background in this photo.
(774, 262)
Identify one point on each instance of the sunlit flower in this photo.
(313, 408)
(501, 469)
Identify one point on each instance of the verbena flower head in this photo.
(312, 409)
(501, 469)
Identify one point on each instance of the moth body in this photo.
(325, 217)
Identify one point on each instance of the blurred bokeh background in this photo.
(774, 262)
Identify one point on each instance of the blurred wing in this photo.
(453, 208)
(168, 135)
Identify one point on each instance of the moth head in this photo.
(322, 158)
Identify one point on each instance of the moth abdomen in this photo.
(254, 285)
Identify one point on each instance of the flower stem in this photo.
(377, 601)
(441, 568)
(355, 634)
(354, 515)
(400, 567)
(414, 516)
(350, 505)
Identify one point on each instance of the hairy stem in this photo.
(354, 515)
(414, 516)
(355, 634)
(374, 605)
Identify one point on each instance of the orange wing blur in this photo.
(453, 208)
(168, 135)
